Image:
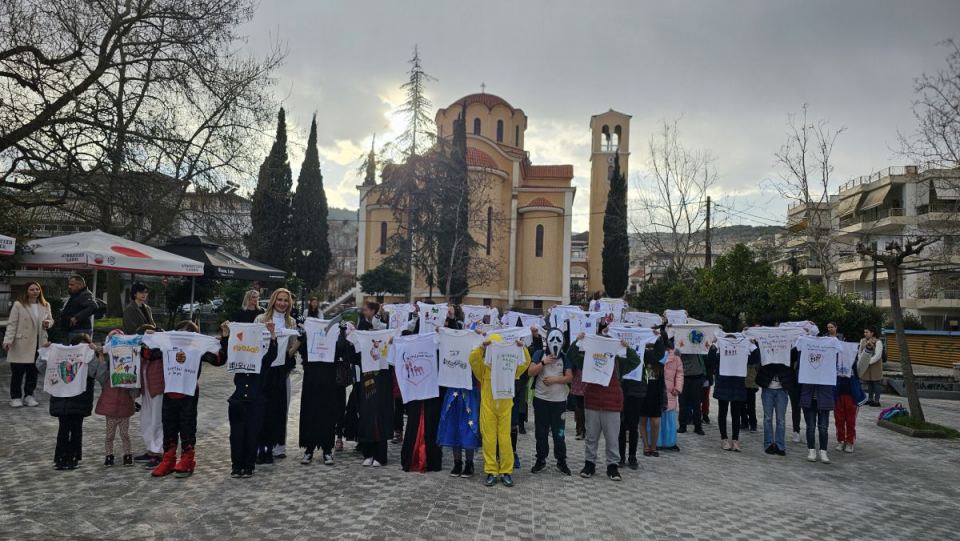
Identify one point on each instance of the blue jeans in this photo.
(818, 421)
(774, 401)
(873, 391)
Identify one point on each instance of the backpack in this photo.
(893, 411)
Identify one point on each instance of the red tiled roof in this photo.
(480, 158)
(540, 202)
(549, 171)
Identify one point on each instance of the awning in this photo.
(947, 189)
(99, 250)
(851, 275)
(847, 205)
(8, 245)
(220, 263)
(875, 198)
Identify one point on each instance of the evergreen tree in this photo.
(454, 239)
(270, 238)
(418, 134)
(309, 218)
(616, 244)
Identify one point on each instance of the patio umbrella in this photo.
(8, 245)
(221, 263)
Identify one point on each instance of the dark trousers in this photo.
(340, 410)
(748, 414)
(376, 450)
(548, 419)
(795, 409)
(690, 401)
(179, 417)
(398, 415)
(69, 438)
(246, 419)
(25, 375)
(817, 420)
(734, 408)
(629, 426)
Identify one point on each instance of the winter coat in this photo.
(82, 404)
(26, 334)
(151, 365)
(870, 363)
(673, 378)
(135, 317)
(598, 397)
(782, 372)
(80, 306)
(114, 402)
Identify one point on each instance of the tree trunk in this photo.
(114, 289)
(909, 383)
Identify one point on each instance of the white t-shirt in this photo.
(774, 342)
(67, 368)
(512, 334)
(181, 357)
(246, 347)
(638, 338)
(676, 317)
(283, 341)
(321, 345)
(399, 314)
(559, 315)
(473, 315)
(734, 350)
(373, 347)
(431, 317)
(455, 347)
(510, 318)
(415, 359)
(613, 307)
(503, 358)
(808, 326)
(583, 322)
(818, 360)
(599, 353)
(848, 359)
(124, 354)
(642, 319)
(691, 338)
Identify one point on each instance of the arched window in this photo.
(616, 137)
(476, 126)
(539, 243)
(489, 228)
(383, 237)
(499, 131)
(516, 136)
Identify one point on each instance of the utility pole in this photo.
(709, 252)
(875, 268)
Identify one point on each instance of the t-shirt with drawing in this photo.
(373, 347)
(454, 347)
(431, 317)
(123, 351)
(247, 345)
(67, 368)
(321, 343)
(848, 359)
(774, 342)
(399, 314)
(676, 317)
(599, 358)
(182, 352)
(415, 360)
(818, 360)
(503, 358)
(734, 352)
(583, 322)
(638, 338)
(283, 341)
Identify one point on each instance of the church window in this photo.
(476, 126)
(499, 131)
(516, 136)
(539, 241)
(383, 238)
(489, 228)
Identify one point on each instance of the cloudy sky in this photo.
(731, 72)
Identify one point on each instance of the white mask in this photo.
(555, 342)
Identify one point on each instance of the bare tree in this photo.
(936, 141)
(806, 167)
(672, 199)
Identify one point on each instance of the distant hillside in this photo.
(334, 213)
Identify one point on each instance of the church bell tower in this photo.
(611, 139)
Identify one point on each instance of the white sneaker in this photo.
(328, 460)
(376, 464)
(16, 403)
(840, 447)
(848, 448)
(796, 437)
(367, 462)
(30, 402)
(812, 455)
(824, 458)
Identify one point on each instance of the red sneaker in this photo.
(185, 467)
(166, 465)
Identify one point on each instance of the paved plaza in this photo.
(893, 487)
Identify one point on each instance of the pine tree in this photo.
(454, 239)
(270, 238)
(616, 244)
(418, 134)
(309, 218)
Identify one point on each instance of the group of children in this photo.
(630, 391)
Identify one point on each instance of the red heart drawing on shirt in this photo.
(240, 336)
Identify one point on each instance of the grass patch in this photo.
(910, 422)
(108, 323)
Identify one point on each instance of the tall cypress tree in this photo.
(616, 243)
(309, 218)
(454, 241)
(270, 238)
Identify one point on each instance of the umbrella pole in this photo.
(193, 285)
(94, 315)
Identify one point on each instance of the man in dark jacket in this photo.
(75, 318)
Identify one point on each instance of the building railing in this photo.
(894, 170)
(871, 216)
(939, 206)
(950, 294)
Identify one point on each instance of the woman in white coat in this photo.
(26, 332)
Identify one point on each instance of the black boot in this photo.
(457, 469)
(108, 460)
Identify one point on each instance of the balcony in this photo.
(874, 220)
(893, 171)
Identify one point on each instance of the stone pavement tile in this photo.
(893, 487)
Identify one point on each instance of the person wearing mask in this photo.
(870, 365)
(249, 308)
(273, 433)
(551, 372)
(26, 332)
(137, 314)
(75, 317)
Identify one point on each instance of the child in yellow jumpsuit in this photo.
(495, 416)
